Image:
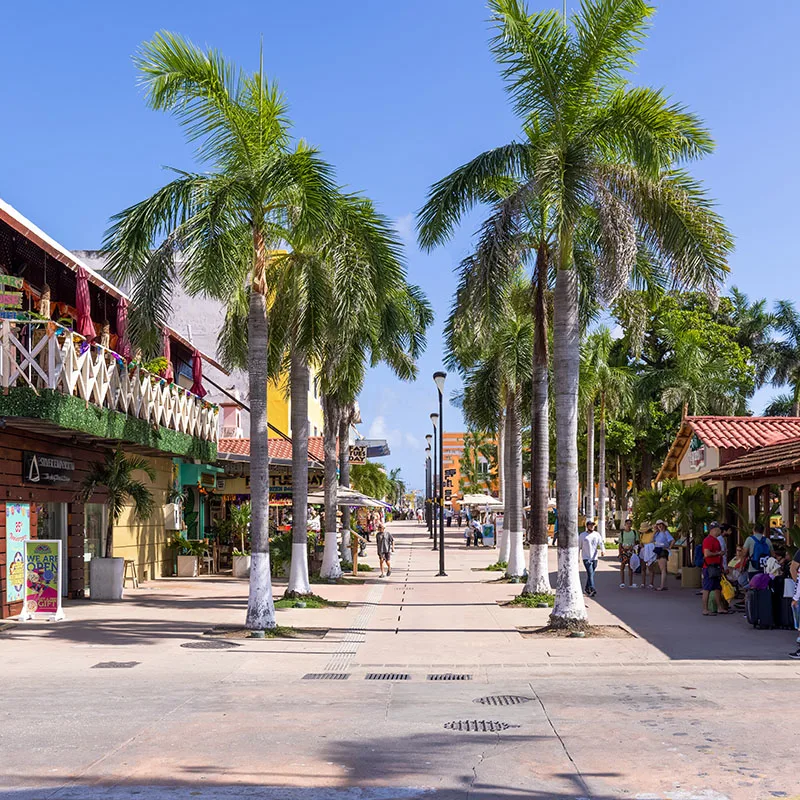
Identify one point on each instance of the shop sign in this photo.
(697, 454)
(43, 579)
(358, 454)
(46, 470)
(18, 528)
(11, 299)
(11, 280)
(280, 483)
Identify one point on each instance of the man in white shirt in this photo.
(591, 543)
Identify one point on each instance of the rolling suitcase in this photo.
(759, 608)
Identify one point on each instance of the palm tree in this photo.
(782, 405)
(115, 475)
(227, 223)
(609, 385)
(398, 486)
(474, 480)
(754, 326)
(590, 140)
(786, 352)
(371, 479)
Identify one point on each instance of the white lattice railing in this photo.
(39, 358)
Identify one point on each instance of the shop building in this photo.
(452, 455)
(72, 390)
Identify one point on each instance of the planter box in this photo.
(241, 566)
(691, 578)
(187, 566)
(105, 578)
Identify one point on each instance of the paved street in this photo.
(686, 707)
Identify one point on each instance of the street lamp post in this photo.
(429, 485)
(439, 378)
(434, 421)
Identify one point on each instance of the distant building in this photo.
(453, 452)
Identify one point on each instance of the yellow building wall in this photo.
(147, 543)
(279, 407)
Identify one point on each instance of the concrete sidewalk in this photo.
(658, 715)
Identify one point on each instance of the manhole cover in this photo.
(478, 725)
(502, 700)
(116, 664)
(387, 676)
(212, 644)
(326, 676)
(450, 676)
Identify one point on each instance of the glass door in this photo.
(94, 545)
(52, 524)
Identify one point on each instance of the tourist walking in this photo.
(628, 539)
(712, 569)
(662, 542)
(385, 543)
(591, 543)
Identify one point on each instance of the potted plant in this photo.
(115, 474)
(240, 528)
(189, 552)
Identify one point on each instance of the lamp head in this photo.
(438, 379)
(428, 449)
(428, 438)
(435, 420)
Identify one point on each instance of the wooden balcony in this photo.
(38, 357)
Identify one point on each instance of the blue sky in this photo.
(396, 94)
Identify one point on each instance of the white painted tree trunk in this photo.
(504, 541)
(538, 569)
(330, 556)
(331, 570)
(569, 608)
(260, 605)
(601, 471)
(516, 554)
(298, 385)
(590, 462)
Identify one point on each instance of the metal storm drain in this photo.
(478, 725)
(387, 676)
(503, 700)
(326, 676)
(116, 664)
(211, 644)
(450, 676)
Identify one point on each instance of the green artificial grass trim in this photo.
(500, 566)
(75, 414)
(343, 581)
(364, 567)
(310, 600)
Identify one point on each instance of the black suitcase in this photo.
(786, 616)
(759, 608)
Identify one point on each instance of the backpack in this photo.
(760, 552)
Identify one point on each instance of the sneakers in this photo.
(388, 572)
(623, 585)
(796, 654)
(634, 586)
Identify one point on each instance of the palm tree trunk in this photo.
(299, 382)
(601, 470)
(344, 477)
(330, 556)
(505, 541)
(260, 606)
(569, 609)
(538, 571)
(796, 401)
(590, 461)
(516, 554)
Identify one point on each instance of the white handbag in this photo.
(789, 587)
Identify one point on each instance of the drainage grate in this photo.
(326, 676)
(387, 676)
(450, 676)
(478, 725)
(502, 700)
(212, 644)
(116, 664)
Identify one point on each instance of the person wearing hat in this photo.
(628, 539)
(662, 541)
(712, 569)
(591, 543)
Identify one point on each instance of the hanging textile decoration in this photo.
(165, 351)
(123, 343)
(83, 306)
(197, 375)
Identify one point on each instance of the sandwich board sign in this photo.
(43, 580)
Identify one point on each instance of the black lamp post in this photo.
(439, 378)
(428, 482)
(434, 513)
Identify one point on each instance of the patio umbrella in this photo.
(123, 343)
(481, 500)
(83, 306)
(197, 375)
(165, 351)
(346, 496)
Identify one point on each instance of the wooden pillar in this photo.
(766, 498)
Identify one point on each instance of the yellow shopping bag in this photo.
(728, 592)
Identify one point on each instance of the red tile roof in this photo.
(773, 459)
(279, 449)
(744, 433)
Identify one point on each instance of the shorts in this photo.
(661, 552)
(625, 556)
(711, 584)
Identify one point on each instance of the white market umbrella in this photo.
(346, 496)
(481, 500)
